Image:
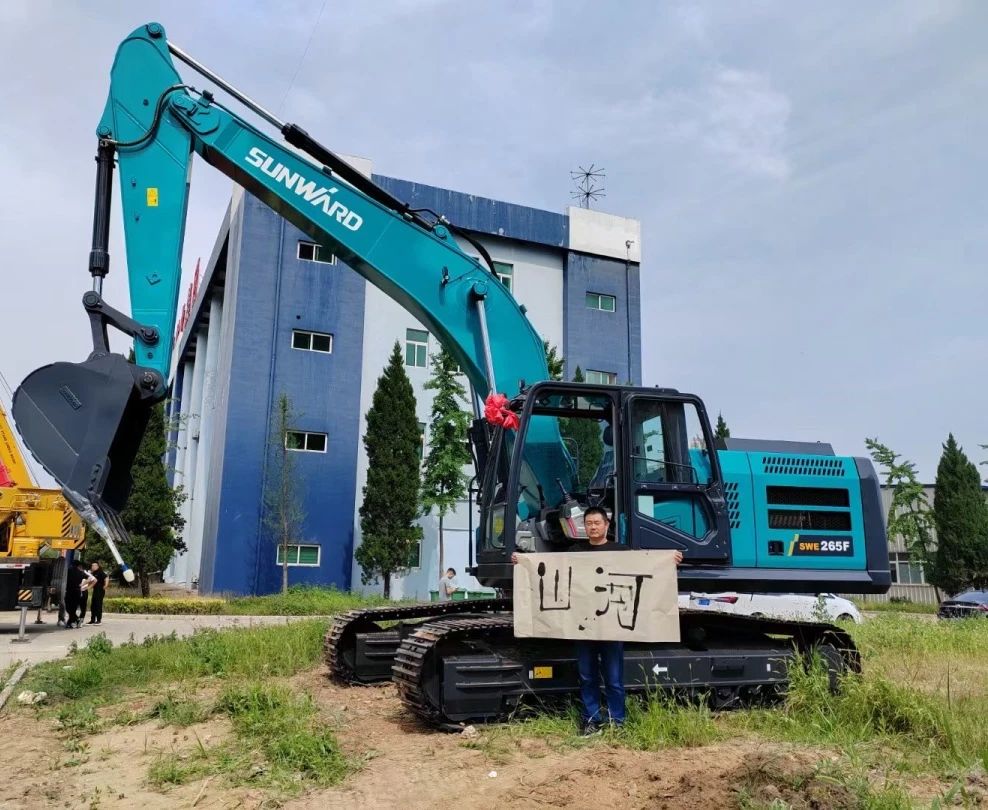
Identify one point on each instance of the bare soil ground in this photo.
(404, 765)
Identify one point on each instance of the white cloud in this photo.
(746, 121)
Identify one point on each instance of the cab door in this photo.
(674, 491)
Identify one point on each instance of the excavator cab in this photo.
(642, 454)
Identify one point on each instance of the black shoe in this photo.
(591, 729)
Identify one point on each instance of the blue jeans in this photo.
(593, 660)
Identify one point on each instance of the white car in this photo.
(799, 606)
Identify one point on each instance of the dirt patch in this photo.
(404, 764)
(108, 769)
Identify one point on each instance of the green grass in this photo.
(279, 742)
(300, 600)
(100, 670)
(895, 607)
(174, 709)
(917, 713)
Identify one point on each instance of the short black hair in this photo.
(451, 569)
(596, 510)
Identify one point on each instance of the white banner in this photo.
(597, 595)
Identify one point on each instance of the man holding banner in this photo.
(600, 659)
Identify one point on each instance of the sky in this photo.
(809, 176)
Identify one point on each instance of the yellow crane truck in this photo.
(38, 527)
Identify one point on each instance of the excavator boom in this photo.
(84, 421)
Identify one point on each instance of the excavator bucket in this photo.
(84, 423)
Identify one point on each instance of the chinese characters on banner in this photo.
(598, 595)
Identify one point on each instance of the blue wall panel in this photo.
(600, 340)
(481, 214)
(270, 293)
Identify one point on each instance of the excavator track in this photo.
(460, 669)
(379, 644)
(414, 659)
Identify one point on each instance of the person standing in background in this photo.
(99, 591)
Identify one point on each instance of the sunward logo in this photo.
(307, 189)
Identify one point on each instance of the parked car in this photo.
(799, 606)
(969, 603)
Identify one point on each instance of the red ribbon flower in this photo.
(496, 412)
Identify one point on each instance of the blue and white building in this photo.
(275, 313)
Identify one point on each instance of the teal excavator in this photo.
(747, 515)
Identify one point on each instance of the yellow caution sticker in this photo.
(25, 595)
(541, 672)
(152, 198)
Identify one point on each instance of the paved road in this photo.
(49, 641)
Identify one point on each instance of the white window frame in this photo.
(305, 441)
(900, 561)
(298, 553)
(601, 297)
(506, 278)
(600, 377)
(317, 250)
(310, 334)
(417, 344)
(418, 567)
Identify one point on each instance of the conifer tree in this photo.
(152, 515)
(584, 436)
(722, 431)
(553, 360)
(284, 513)
(909, 515)
(391, 494)
(961, 516)
(444, 482)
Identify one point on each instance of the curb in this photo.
(14, 680)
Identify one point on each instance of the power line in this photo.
(301, 61)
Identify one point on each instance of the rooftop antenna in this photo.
(589, 184)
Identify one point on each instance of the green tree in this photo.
(553, 360)
(152, 516)
(584, 440)
(909, 515)
(391, 494)
(444, 482)
(283, 512)
(722, 431)
(961, 516)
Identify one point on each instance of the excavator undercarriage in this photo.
(459, 662)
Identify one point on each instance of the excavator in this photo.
(36, 527)
(756, 515)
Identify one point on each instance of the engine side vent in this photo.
(809, 521)
(733, 505)
(807, 496)
(796, 465)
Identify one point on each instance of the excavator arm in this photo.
(84, 421)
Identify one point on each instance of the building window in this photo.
(299, 555)
(311, 252)
(312, 341)
(421, 441)
(605, 303)
(416, 347)
(904, 570)
(505, 273)
(601, 377)
(305, 442)
(415, 555)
